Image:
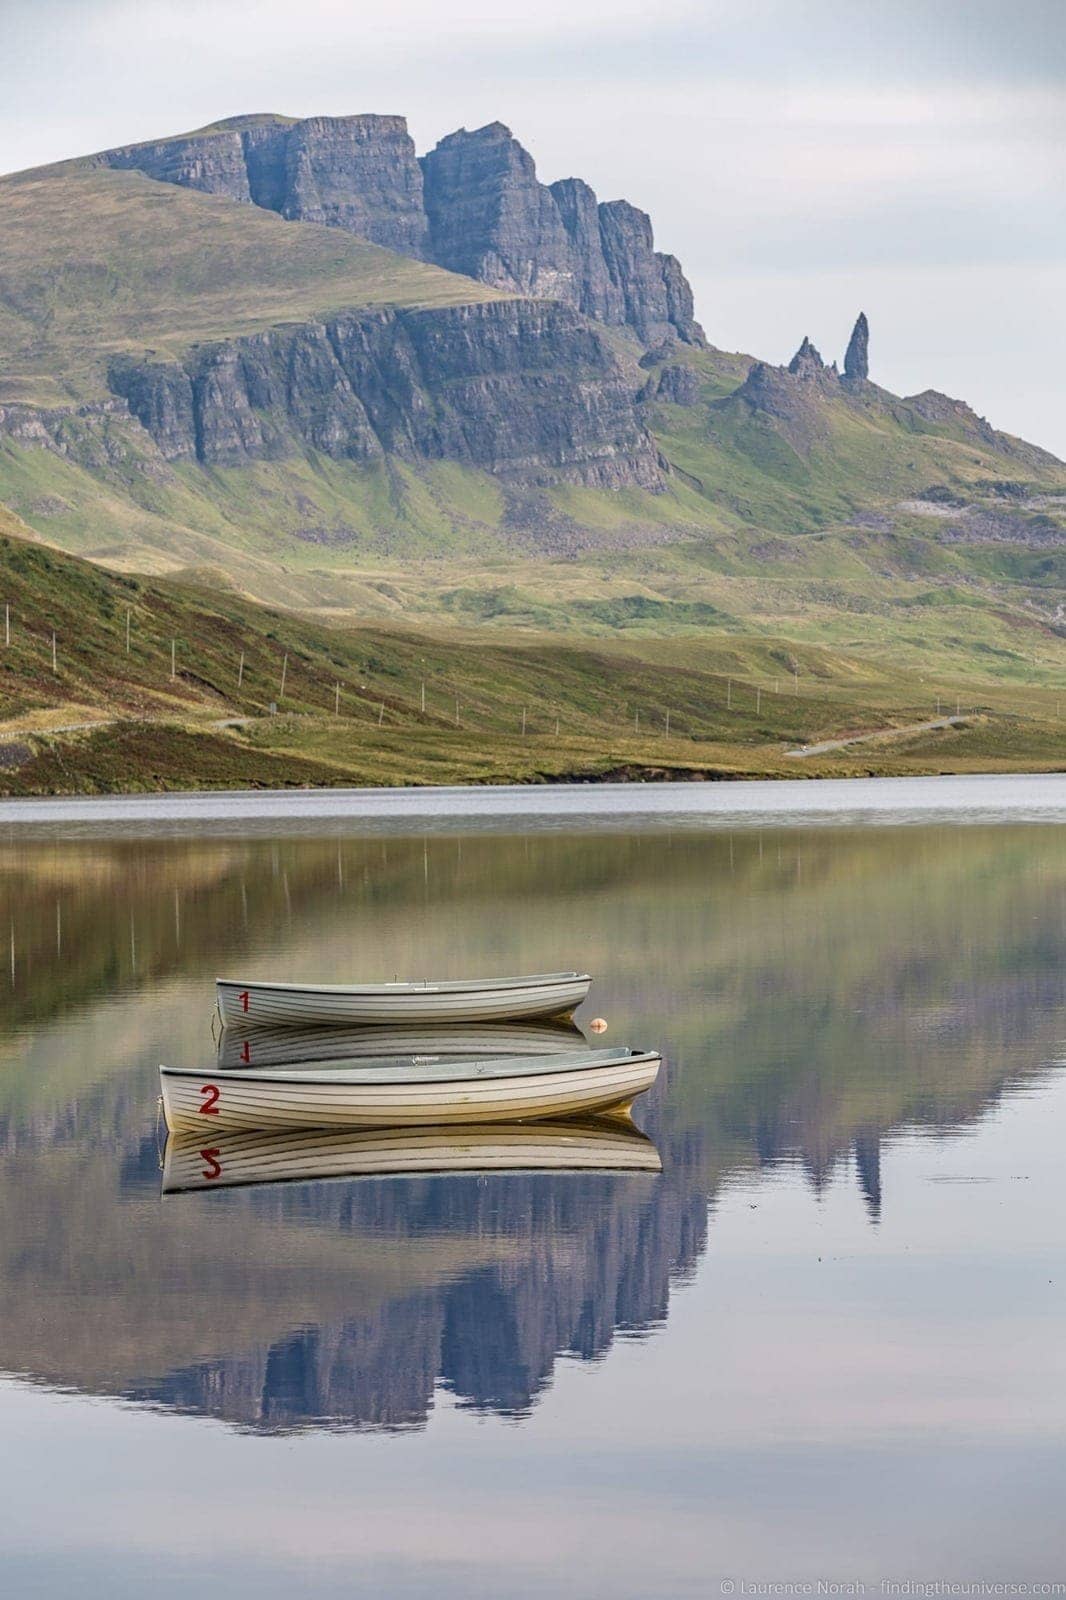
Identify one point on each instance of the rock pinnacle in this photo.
(857, 359)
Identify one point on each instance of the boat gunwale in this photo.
(516, 1067)
(411, 986)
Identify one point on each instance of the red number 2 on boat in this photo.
(210, 1095)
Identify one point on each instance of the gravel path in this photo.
(883, 734)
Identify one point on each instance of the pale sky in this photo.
(806, 159)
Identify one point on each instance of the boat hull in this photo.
(317, 1155)
(199, 1100)
(305, 1006)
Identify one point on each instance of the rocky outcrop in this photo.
(524, 389)
(595, 290)
(650, 284)
(212, 162)
(357, 173)
(808, 365)
(474, 204)
(678, 385)
(101, 437)
(857, 356)
(491, 218)
(793, 398)
(943, 413)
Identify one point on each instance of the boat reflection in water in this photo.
(593, 1144)
(288, 1047)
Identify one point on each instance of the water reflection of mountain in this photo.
(574, 1259)
(812, 997)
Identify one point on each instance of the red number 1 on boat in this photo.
(244, 998)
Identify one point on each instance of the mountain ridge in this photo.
(473, 204)
(191, 380)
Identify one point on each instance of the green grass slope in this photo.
(95, 262)
(827, 454)
(156, 684)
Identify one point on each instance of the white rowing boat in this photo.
(297, 1155)
(305, 1005)
(413, 1091)
(289, 1047)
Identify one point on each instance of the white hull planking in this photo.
(305, 1005)
(193, 1162)
(198, 1101)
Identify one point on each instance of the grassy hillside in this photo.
(188, 704)
(829, 455)
(94, 262)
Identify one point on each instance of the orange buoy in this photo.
(598, 1025)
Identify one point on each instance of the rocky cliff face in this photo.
(356, 173)
(473, 205)
(491, 218)
(524, 389)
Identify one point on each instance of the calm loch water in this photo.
(825, 1342)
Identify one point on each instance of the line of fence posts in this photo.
(422, 685)
(381, 708)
